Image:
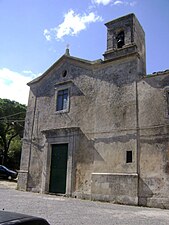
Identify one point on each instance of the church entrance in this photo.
(58, 172)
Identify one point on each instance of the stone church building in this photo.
(99, 129)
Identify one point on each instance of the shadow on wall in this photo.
(87, 152)
(144, 193)
(85, 156)
(157, 81)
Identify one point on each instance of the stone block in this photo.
(113, 187)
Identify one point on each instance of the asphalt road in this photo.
(68, 211)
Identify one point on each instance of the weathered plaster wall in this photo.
(112, 187)
(27, 143)
(154, 139)
(102, 105)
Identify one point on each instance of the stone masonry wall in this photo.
(154, 139)
(102, 105)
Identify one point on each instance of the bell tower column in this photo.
(125, 37)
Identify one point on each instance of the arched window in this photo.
(120, 39)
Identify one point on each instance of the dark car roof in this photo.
(5, 168)
(12, 218)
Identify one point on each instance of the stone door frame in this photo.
(68, 136)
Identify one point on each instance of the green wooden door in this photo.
(58, 169)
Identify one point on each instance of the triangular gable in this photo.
(62, 59)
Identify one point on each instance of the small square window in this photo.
(129, 156)
(62, 100)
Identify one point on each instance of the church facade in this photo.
(99, 129)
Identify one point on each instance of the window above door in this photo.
(62, 99)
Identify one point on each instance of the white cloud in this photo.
(114, 2)
(118, 3)
(132, 3)
(103, 2)
(47, 35)
(13, 85)
(73, 23)
(124, 2)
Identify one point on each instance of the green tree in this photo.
(14, 153)
(12, 116)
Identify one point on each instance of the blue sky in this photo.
(35, 33)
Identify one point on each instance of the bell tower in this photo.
(125, 37)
